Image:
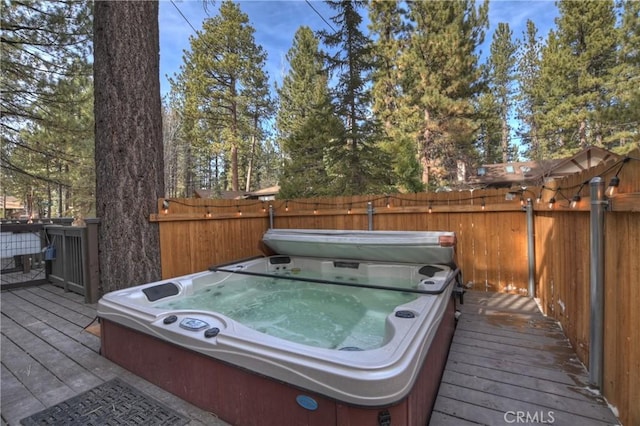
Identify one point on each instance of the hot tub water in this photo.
(326, 316)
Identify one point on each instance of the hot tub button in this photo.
(212, 332)
(193, 324)
(170, 319)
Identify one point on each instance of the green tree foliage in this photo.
(66, 146)
(177, 152)
(530, 97)
(220, 83)
(502, 61)
(306, 123)
(260, 107)
(441, 79)
(355, 158)
(489, 136)
(575, 68)
(45, 109)
(623, 112)
(398, 141)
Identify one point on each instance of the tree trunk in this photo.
(505, 141)
(583, 134)
(234, 136)
(252, 152)
(129, 158)
(424, 152)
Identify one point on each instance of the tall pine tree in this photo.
(45, 84)
(219, 80)
(529, 96)
(442, 78)
(129, 163)
(306, 122)
(623, 113)
(398, 141)
(355, 156)
(502, 61)
(576, 64)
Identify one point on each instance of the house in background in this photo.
(224, 195)
(264, 194)
(12, 208)
(535, 173)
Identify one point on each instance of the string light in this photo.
(539, 197)
(574, 201)
(615, 181)
(576, 198)
(613, 186)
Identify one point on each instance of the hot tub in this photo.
(289, 339)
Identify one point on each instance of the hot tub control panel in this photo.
(210, 327)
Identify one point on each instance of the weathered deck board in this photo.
(48, 357)
(506, 357)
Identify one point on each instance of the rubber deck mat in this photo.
(111, 403)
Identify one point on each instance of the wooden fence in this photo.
(491, 226)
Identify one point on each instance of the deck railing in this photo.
(56, 252)
(74, 263)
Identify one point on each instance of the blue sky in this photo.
(276, 22)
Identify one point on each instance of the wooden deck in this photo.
(509, 364)
(48, 357)
(506, 360)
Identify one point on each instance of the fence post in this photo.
(270, 216)
(91, 262)
(64, 262)
(596, 319)
(531, 249)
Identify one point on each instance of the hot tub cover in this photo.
(430, 247)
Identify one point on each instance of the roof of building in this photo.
(225, 195)
(535, 172)
(237, 195)
(10, 202)
(264, 192)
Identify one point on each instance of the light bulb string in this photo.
(391, 200)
